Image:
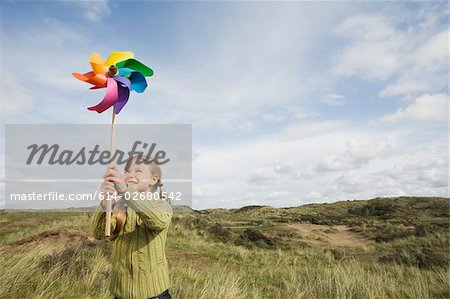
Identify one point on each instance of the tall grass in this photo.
(73, 266)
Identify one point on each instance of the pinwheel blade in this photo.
(92, 78)
(125, 72)
(123, 81)
(97, 87)
(136, 66)
(98, 64)
(110, 98)
(138, 82)
(124, 94)
(115, 57)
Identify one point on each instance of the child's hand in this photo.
(113, 175)
(108, 192)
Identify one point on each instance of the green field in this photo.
(378, 248)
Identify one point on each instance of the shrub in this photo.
(251, 237)
(386, 237)
(337, 254)
(421, 230)
(380, 209)
(69, 259)
(428, 258)
(192, 222)
(220, 233)
(425, 258)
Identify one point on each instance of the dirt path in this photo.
(53, 238)
(327, 235)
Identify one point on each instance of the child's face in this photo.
(139, 176)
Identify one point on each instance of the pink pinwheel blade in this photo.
(97, 87)
(124, 94)
(110, 98)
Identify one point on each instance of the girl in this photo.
(139, 228)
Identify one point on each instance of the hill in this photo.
(382, 247)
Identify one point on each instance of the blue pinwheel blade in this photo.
(138, 82)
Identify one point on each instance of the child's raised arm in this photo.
(156, 214)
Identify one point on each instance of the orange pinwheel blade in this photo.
(97, 80)
(98, 64)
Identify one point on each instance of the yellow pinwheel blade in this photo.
(115, 57)
(98, 64)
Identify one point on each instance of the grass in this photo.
(225, 254)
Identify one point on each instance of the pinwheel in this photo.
(119, 74)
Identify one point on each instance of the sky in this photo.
(290, 102)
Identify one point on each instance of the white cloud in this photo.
(374, 48)
(256, 167)
(435, 176)
(356, 154)
(50, 93)
(426, 108)
(93, 11)
(307, 129)
(426, 69)
(45, 40)
(270, 174)
(238, 81)
(433, 54)
(58, 77)
(335, 99)
(16, 97)
(419, 170)
(278, 162)
(411, 59)
(366, 27)
(392, 181)
(340, 164)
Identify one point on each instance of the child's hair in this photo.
(119, 212)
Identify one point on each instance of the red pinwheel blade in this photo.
(90, 77)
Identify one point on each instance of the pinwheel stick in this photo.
(111, 150)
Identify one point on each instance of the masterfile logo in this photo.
(53, 167)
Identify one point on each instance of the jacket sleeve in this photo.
(155, 214)
(98, 222)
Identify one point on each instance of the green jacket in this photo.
(139, 265)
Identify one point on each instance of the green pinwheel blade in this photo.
(135, 65)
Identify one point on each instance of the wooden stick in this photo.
(111, 150)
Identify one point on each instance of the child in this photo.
(139, 228)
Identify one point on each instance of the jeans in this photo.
(163, 295)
